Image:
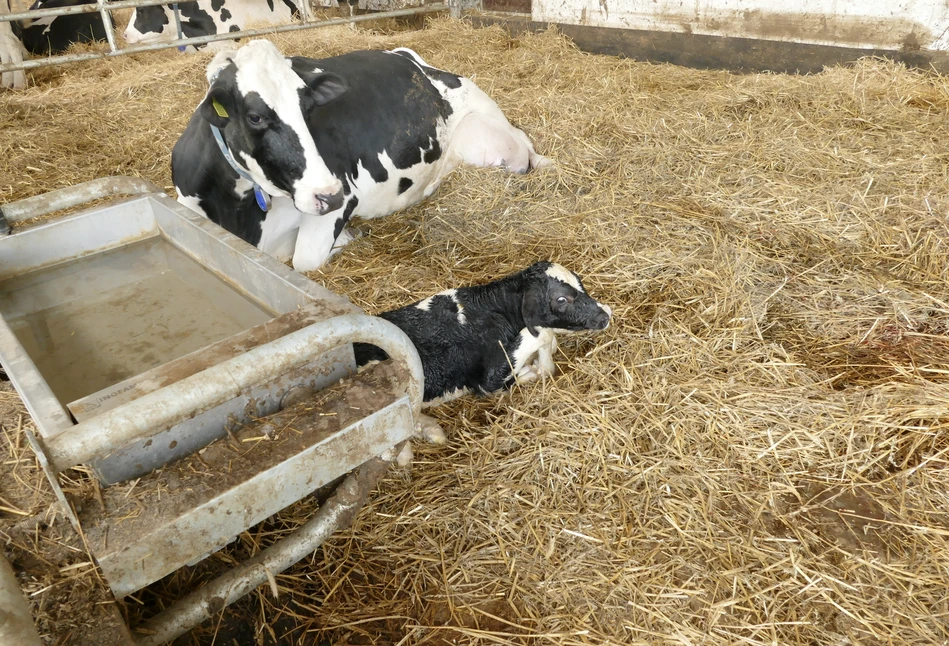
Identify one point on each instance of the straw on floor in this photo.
(755, 452)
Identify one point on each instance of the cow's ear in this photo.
(217, 107)
(531, 305)
(326, 87)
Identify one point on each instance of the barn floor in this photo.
(756, 450)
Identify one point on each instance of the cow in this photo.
(206, 17)
(482, 339)
(362, 134)
(54, 34)
(11, 51)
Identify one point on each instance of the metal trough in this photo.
(139, 332)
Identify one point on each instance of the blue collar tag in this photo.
(260, 195)
(263, 200)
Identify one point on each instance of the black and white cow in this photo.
(206, 17)
(362, 134)
(11, 51)
(483, 339)
(54, 34)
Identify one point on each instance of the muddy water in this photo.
(96, 321)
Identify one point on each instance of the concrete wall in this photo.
(871, 24)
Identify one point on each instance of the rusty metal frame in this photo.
(104, 6)
(337, 513)
(109, 431)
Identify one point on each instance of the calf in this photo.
(54, 34)
(206, 17)
(362, 134)
(482, 339)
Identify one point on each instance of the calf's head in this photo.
(554, 298)
(259, 103)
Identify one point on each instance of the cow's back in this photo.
(391, 106)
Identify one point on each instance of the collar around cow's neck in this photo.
(263, 199)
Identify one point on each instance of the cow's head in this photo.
(259, 102)
(157, 23)
(554, 298)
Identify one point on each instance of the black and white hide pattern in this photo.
(363, 134)
(479, 340)
(54, 34)
(205, 18)
(11, 51)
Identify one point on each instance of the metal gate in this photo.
(103, 7)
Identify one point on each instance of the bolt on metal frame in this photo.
(103, 7)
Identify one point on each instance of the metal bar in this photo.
(53, 480)
(153, 547)
(16, 622)
(107, 24)
(64, 198)
(162, 409)
(203, 40)
(337, 513)
(83, 8)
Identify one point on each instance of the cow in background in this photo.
(11, 51)
(206, 17)
(54, 34)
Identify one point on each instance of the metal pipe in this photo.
(107, 24)
(64, 198)
(163, 408)
(203, 40)
(16, 622)
(337, 513)
(83, 8)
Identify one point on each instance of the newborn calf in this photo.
(482, 339)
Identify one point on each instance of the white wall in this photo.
(883, 24)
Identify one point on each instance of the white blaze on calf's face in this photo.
(564, 275)
(261, 68)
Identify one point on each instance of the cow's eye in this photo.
(254, 119)
(562, 300)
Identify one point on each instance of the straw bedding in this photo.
(755, 452)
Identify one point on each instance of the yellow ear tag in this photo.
(221, 112)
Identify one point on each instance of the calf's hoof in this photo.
(430, 430)
(405, 456)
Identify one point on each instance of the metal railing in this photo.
(103, 7)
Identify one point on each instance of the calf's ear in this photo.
(217, 107)
(326, 87)
(530, 310)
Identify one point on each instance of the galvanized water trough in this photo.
(138, 333)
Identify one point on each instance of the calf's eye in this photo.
(255, 119)
(562, 300)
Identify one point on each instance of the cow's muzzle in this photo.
(329, 202)
(601, 320)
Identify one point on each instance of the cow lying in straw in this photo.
(362, 134)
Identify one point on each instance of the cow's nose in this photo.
(602, 320)
(329, 202)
